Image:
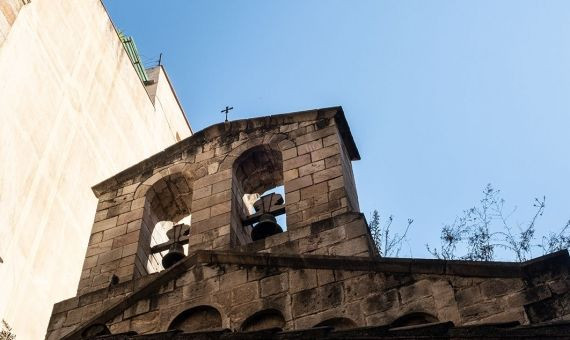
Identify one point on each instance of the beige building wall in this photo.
(73, 112)
(8, 12)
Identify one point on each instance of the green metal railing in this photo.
(133, 53)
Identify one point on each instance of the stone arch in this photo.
(265, 319)
(167, 197)
(338, 323)
(255, 171)
(414, 318)
(197, 318)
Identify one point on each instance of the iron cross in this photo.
(226, 110)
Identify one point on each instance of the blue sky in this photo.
(442, 97)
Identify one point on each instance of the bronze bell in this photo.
(266, 227)
(175, 254)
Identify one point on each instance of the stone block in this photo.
(510, 315)
(327, 131)
(292, 197)
(130, 216)
(213, 168)
(146, 323)
(359, 287)
(65, 305)
(330, 140)
(211, 179)
(311, 168)
(274, 284)
(302, 279)
(211, 200)
(126, 239)
(130, 249)
(211, 223)
(332, 161)
(324, 153)
(140, 307)
(443, 294)
(350, 247)
(109, 256)
(336, 183)
(298, 183)
(495, 287)
(480, 310)
(202, 192)
(232, 279)
(325, 276)
(119, 209)
(205, 155)
(289, 153)
(99, 248)
(200, 215)
(105, 224)
(101, 215)
(245, 293)
(327, 174)
(468, 296)
(73, 317)
(220, 209)
(138, 203)
(303, 302)
(296, 162)
(275, 240)
(96, 238)
(90, 311)
(309, 147)
(120, 327)
(222, 185)
(416, 291)
(290, 175)
(114, 232)
(330, 295)
(529, 295)
(288, 127)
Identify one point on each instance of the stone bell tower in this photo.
(212, 179)
(186, 245)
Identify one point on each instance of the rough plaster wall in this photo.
(73, 113)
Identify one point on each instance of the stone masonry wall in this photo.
(308, 296)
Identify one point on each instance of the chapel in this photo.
(251, 229)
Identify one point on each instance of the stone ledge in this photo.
(387, 265)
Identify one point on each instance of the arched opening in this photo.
(168, 203)
(95, 330)
(266, 319)
(337, 323)
(196, 319)
(416, 318)
(256, 172)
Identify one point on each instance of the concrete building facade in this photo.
(321, 278)
(73, 112)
